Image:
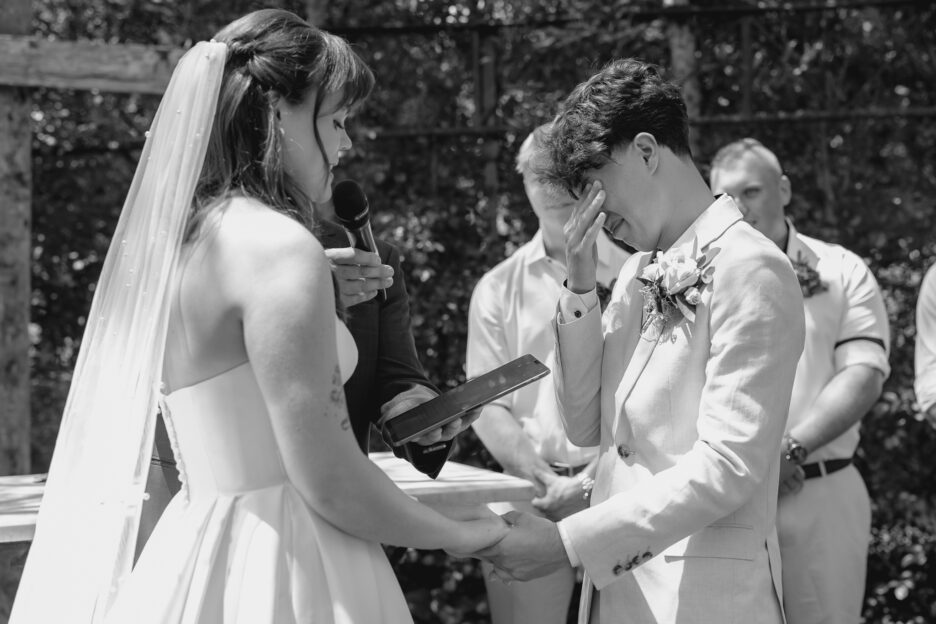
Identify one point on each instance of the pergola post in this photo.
(15, 246)
(683, 64)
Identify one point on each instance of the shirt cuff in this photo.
(573, 306)
(567, 544)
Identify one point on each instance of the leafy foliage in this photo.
(455, 207)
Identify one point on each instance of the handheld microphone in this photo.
(353, 214)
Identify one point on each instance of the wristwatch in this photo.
(795, 452)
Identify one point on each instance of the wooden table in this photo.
(19, 505)
(456, 484)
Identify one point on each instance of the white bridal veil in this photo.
(85, 536)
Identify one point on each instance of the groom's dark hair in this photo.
(608, 110)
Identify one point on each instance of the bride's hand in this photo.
(479, 528)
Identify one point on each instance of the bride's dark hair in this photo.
(272, 54)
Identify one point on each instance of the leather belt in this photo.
(823, 468)
(565, 470)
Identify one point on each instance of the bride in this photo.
(216, 302)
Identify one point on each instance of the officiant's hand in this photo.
(417, 395)
(562, 496)
(531, 549)
(581, 235)
(360, 274)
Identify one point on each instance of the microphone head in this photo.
(351, 209)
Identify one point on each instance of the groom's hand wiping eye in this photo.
(581, 234)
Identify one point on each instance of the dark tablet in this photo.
(457, 402)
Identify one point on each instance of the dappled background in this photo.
(844, 96)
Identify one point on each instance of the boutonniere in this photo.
(808, 277)
(604, 293)
(673, 283)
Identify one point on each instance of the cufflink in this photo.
(624, 451)
(578, 314)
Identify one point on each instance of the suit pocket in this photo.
(722, 541)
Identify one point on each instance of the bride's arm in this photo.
(285, 297)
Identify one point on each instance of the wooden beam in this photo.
(122, 68)
(15, 253)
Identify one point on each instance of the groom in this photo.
(684, 383)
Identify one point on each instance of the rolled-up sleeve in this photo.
(864, 336)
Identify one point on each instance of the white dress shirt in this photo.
(512, 308)
(845, 325)
(925, 355)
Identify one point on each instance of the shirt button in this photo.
(624, 451)
(578, 314)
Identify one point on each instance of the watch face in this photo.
(796, 453)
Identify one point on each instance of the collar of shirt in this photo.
(796, 250)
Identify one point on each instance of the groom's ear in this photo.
(648, 149)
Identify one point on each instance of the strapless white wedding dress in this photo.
(238, 544)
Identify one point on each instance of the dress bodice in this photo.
(239, 543)
(221, 432)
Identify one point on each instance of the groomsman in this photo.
(685, 382)
(824, 513)
(510, 315)
(925, 356)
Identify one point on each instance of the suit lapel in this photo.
(710, 226)
(645, 344)
(643, 349)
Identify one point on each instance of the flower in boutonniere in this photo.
(673, 283)
(808, 277)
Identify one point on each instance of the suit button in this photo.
(624, 451)
(618, 570)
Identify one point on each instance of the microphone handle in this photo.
(364, 240)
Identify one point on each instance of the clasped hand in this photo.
(558, 496)
(531, 548)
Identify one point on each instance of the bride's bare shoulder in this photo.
(254, 232)
(246, 247)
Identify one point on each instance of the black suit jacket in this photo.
(387, 360)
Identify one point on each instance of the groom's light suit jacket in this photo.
(689, 422)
